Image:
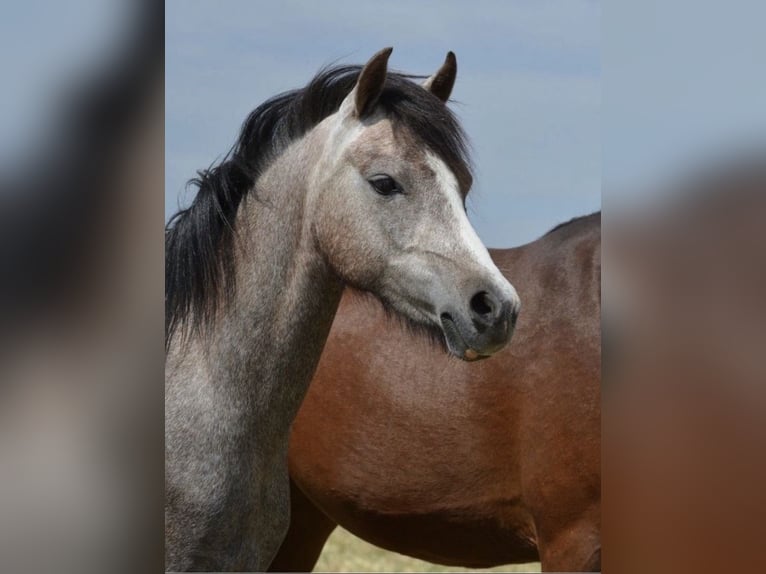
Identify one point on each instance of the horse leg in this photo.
(309, 530)
(574, 548)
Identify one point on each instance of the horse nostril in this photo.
(483, 304)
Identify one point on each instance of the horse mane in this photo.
(596, 215)
(199, 261)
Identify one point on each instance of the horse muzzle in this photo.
(484, 328)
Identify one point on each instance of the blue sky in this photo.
(42, 60)
(529, 87)
(684, 83)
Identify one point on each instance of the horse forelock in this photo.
(199, 262)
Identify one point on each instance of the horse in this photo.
(472, 465)
(358, 179)
(684, 370)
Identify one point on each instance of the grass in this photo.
(344, 552)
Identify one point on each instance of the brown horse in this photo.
(475, 465)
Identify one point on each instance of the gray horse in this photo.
(358, 179)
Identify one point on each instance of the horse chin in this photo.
(456, 344)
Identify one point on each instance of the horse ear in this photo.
(442, 82)
(370, 83)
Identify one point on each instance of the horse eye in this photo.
(385, 185)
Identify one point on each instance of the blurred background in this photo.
(95, 124)
(81, 274)
(683, 279)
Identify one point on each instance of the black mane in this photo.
(199, 239)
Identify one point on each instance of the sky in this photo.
(528, 89)
(42, 61)
(684, 84)
(543, 86)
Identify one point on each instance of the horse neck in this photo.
(266, 343)
(288, 293)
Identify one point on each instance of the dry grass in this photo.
(344, 552)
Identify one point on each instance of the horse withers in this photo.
(357, 179)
